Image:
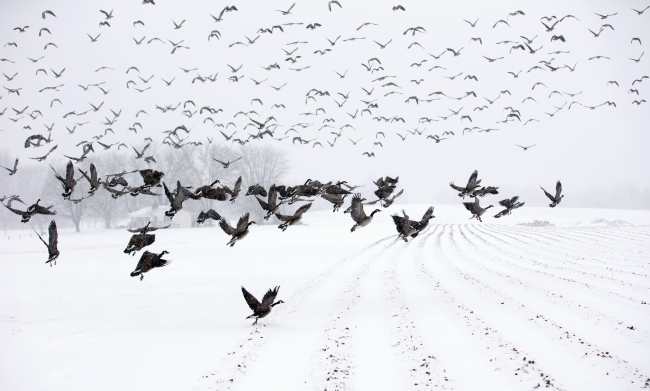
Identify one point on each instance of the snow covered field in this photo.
(502, 305)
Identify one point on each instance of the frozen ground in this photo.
(504, 305)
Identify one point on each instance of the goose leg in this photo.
(353, 228)
(254, 323)
(141, 277)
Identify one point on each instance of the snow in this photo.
(500, 305)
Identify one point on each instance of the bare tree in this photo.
(260, 164)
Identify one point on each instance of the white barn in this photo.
(156, 215)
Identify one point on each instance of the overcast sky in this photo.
(589, 150)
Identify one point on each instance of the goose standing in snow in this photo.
(261, 310)
(558, 195)
(476, 209)
(357, 213)
(52, 245)
(149, 261)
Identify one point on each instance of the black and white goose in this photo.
(68, 183)
(239, 232)
(271, 206)
(261, 310)
(509, 204)
(52, 244)
(177, 198)
(92, 179)
(472, 185)
(288, 220)
(149, 261)
(210, 214)
(476, 209)
(558, 195)
(358, 215)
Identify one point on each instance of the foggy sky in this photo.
(593, 152)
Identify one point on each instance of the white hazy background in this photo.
(597, 154)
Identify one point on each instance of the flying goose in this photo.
(138, 242)
(12, 171)
(509, 204)
(26, 215)
(336, 199)
(272, 206)
(152, 178)
(210, 214)
(147, 228)
(472, 185)
(484, 191)
(177, 198)
(260, 310)
(558, 197)
(289, 220)
(226, 164)
(53, 242)
(149, 261)
(256, 190)
(404, 226)
(476, 209)
(69, 182)
(357, 213)
(35, 209)
(92, 179)
(422, 224)
(239, 232)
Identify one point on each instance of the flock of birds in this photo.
(378, 92)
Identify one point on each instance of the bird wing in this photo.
(250, 299)
(550, 197)
(168, 194)
(226, 227)
(54, 237)
(469, 206)
(263, 204)
(458, 188)
(273, 196)
(472, 179)
(269, 297)
(558, 190)
(357, 212)
(507, 203)
(302, 209)
(242, 224)
(237, 185)
(427, 215)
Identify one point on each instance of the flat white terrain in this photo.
(505, 304)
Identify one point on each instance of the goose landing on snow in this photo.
(260, 310)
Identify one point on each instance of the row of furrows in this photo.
(616, 287)
(553, 330)
(236, 361)
(506, 357)
(420, 361)
(540, 285)
(570, 237)
(571, 254)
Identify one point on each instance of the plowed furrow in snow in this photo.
(579, 254)
(592, 316)
(519, 262)
(417, 360)
(574, 362)
(627, 257)
(290, 324)
(557, 265)
(472, 354)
